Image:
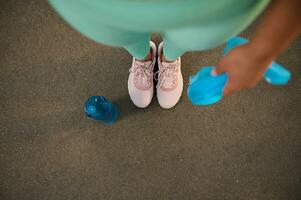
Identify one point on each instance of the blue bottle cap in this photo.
(91, 110)
(94, 107)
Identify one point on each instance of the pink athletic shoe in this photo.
(140, 82)
(170, 81)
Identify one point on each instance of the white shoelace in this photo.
(141, 70)
(164, 72)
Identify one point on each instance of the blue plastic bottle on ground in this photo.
(99, 108)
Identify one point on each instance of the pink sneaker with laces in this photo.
(170, 81)
(140, 82)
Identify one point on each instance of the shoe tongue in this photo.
(146, 64)
(169, 64)
(169, 79)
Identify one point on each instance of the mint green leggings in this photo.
(190, 25)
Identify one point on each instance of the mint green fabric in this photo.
(186, 25)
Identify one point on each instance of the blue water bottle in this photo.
(99, 108)
(206, 89)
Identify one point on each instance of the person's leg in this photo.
(170, 79)
(140, 49)
(199, 37)
(171, 50)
